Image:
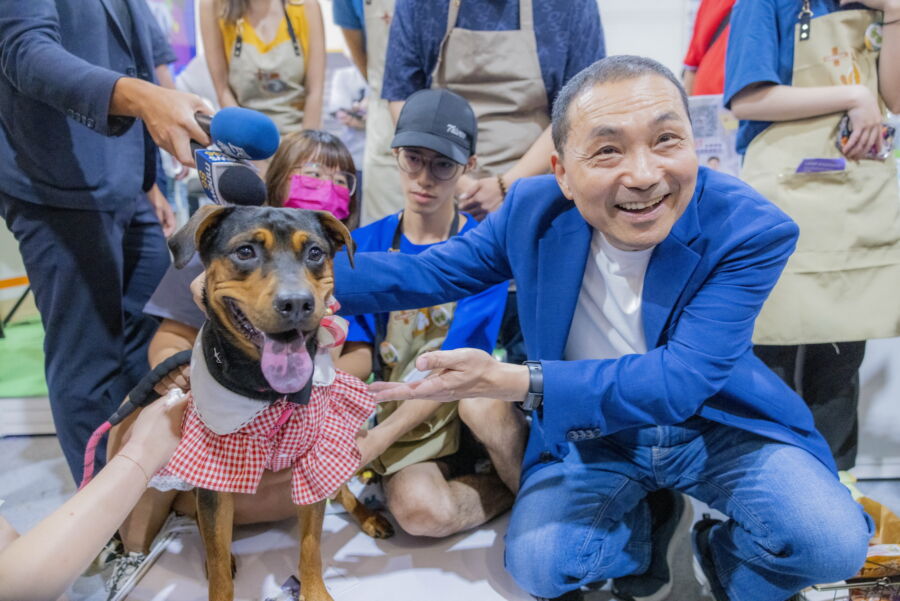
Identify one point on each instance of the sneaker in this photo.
(128, 569)
(671, 516)
(700, 536)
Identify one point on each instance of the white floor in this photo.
(403, 568)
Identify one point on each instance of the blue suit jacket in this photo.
(59, 61)
(703, 289)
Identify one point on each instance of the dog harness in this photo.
(229, 440)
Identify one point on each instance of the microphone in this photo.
(241, 133)
(241, 185)
(212, 165)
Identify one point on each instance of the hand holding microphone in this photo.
(167, 114)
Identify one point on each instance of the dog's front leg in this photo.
(215, 516)
(312, 585)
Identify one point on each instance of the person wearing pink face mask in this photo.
(314, 170)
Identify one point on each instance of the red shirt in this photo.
(705, 55)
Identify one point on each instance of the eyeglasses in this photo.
(325, 174)
(412, 162)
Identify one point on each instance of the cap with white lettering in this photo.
(438, 120)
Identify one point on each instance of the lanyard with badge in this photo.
(398, 231)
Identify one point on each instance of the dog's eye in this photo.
(315, 254)
(245, 252)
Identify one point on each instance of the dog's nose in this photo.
(295, 306)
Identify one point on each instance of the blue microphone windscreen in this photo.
(244, 134)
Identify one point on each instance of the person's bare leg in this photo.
(425, 503)
(502, 429)
(7, 534)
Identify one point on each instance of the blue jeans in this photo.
(584, 519)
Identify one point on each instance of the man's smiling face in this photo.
(629, 162)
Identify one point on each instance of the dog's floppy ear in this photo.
(184, 242)
(338, 233)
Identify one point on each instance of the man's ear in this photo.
(184, 242)
(337, 232)
(556, 165)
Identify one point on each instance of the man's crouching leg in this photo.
(793, 524)
(572, 526)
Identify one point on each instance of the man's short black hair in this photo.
(609, 69)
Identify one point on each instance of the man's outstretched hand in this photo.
(458, 374)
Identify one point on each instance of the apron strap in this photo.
(526, 16)
(239, 40)
(290, 27)
(805, 19)
(452, 16)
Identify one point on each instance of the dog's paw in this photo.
(377, 526)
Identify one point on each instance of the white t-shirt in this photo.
(607, 322)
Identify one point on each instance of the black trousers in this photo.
(827, 377)
(91, 272)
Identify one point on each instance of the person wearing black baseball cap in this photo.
(425, 450)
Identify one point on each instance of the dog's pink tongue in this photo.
(286, 365)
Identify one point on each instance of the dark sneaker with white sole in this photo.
(700, 536)
(671, 516)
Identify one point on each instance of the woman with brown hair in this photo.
(314, 170)
(267, 55)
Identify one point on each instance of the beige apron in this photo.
(498, 72)
(408, 335)
(270, 82)
(841, 283)
(382, 194)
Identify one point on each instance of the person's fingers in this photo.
(194, 130)
(852, 143)
(167, 219)
(468, 192)
(873, 142)
(181, 148)
(435, 360)
(197, 287)
(391, 391)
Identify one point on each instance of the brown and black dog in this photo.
(268, 277)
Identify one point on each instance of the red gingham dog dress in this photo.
(317, 441)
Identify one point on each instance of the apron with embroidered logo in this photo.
(498, 72)
(382, 194)
(841, 282)
(271, 81)
(408, 335)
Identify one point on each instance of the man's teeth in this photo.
(637, 206)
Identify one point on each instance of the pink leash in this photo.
(90, 451)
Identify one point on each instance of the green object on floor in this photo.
(22, 360)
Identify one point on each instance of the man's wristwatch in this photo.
(535, 386)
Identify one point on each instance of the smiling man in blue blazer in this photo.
(640, 277)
